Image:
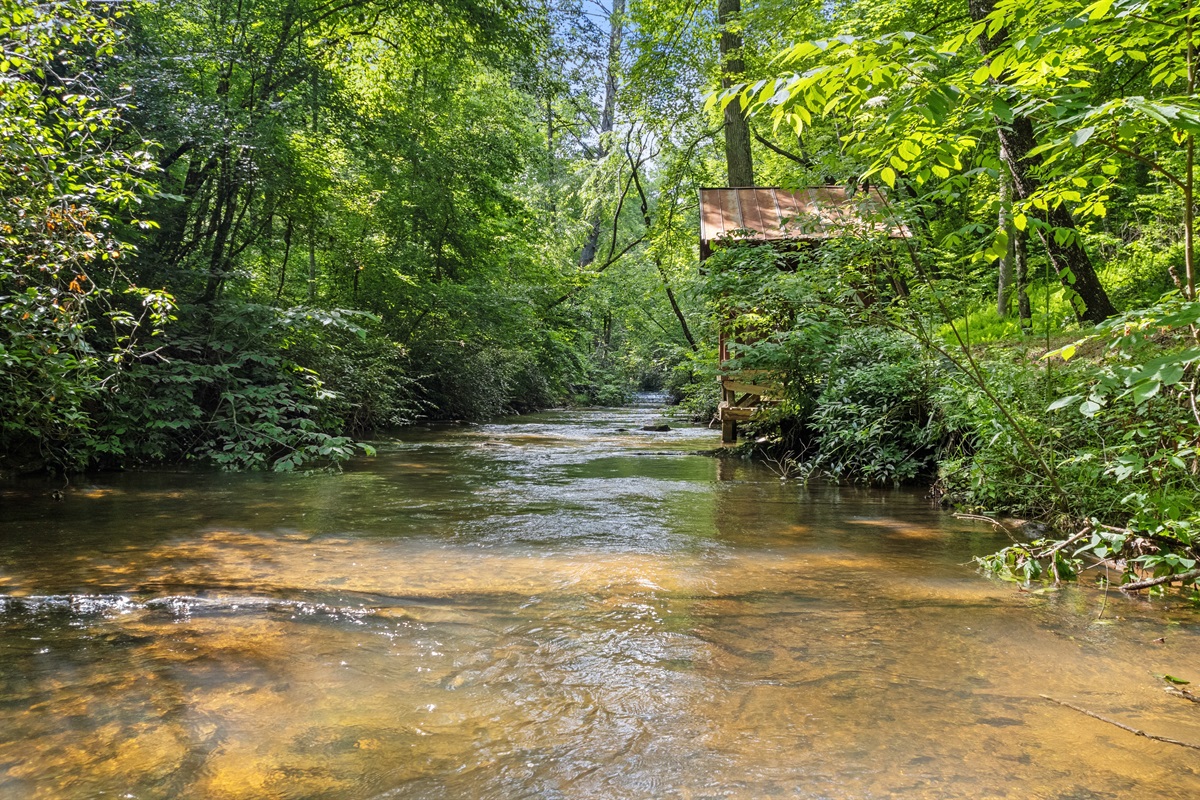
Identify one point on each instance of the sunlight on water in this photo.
(561, 606)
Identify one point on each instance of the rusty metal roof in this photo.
(765, 214)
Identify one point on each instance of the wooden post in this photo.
(728, 431)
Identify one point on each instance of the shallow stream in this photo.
(559, 606)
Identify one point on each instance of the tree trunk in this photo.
(683, 326)
(1005, 278)
(1189, 188)
(738, 156)
(287, 252)
(1021, 267)
(662, 272)
(222, 221)
(607, 116)
(312, 267)
(1070, 260)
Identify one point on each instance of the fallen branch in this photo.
(1121, 725)
(980, 518)
(1066, 542)
(1133, 586)
(1184, 693)
(1052, 553)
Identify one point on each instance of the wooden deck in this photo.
(742, 394)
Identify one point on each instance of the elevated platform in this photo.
(743, 393)
(772, 216)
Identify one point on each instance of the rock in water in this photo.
(656, 428)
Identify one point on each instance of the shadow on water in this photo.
(561, 606)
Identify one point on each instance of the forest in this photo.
(254, 235)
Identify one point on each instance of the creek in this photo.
(559, 606)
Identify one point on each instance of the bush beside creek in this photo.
(1086, 430)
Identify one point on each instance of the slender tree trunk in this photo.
(312, 266)
(1021, 268)
(608, 116)
(687, 332)
(662, 272)
(1189, 190)
(222, 216)
(1070, 260)
(1004, 283)
(739, 159)
(287, 252)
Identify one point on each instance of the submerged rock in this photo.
(661, 428)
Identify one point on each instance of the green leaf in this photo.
(1002, 110)
(888, 176)
(1080, 137)
(1063, 402)
(1144, 391)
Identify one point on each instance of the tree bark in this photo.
(1021, 267)
(662, 272)
(223, 213)
(312, 266)
(608, 116)
(287, 252)
(739, 159)
(1004, 280)
(1070, 260)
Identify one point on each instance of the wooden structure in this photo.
(772, 216)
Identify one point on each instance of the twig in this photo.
(981, 518)
(1107, 586)
(1052, 553)
(1133, 586)
(1066, 542)
(1186, 695)
(1120, 725)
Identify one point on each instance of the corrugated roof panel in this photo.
(768, 210)
(731, 216)
(812, 214)
(710, 216)
(751, 213)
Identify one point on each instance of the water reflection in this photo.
(557, 608)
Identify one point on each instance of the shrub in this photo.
(874, 419)
(221, 391)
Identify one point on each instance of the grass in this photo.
(982, 324)
(1132, 283)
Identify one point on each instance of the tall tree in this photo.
(1017, 143)
(739, 159)
(608, 113)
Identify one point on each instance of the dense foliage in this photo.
(1024, 145)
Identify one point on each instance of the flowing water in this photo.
(554, 607)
